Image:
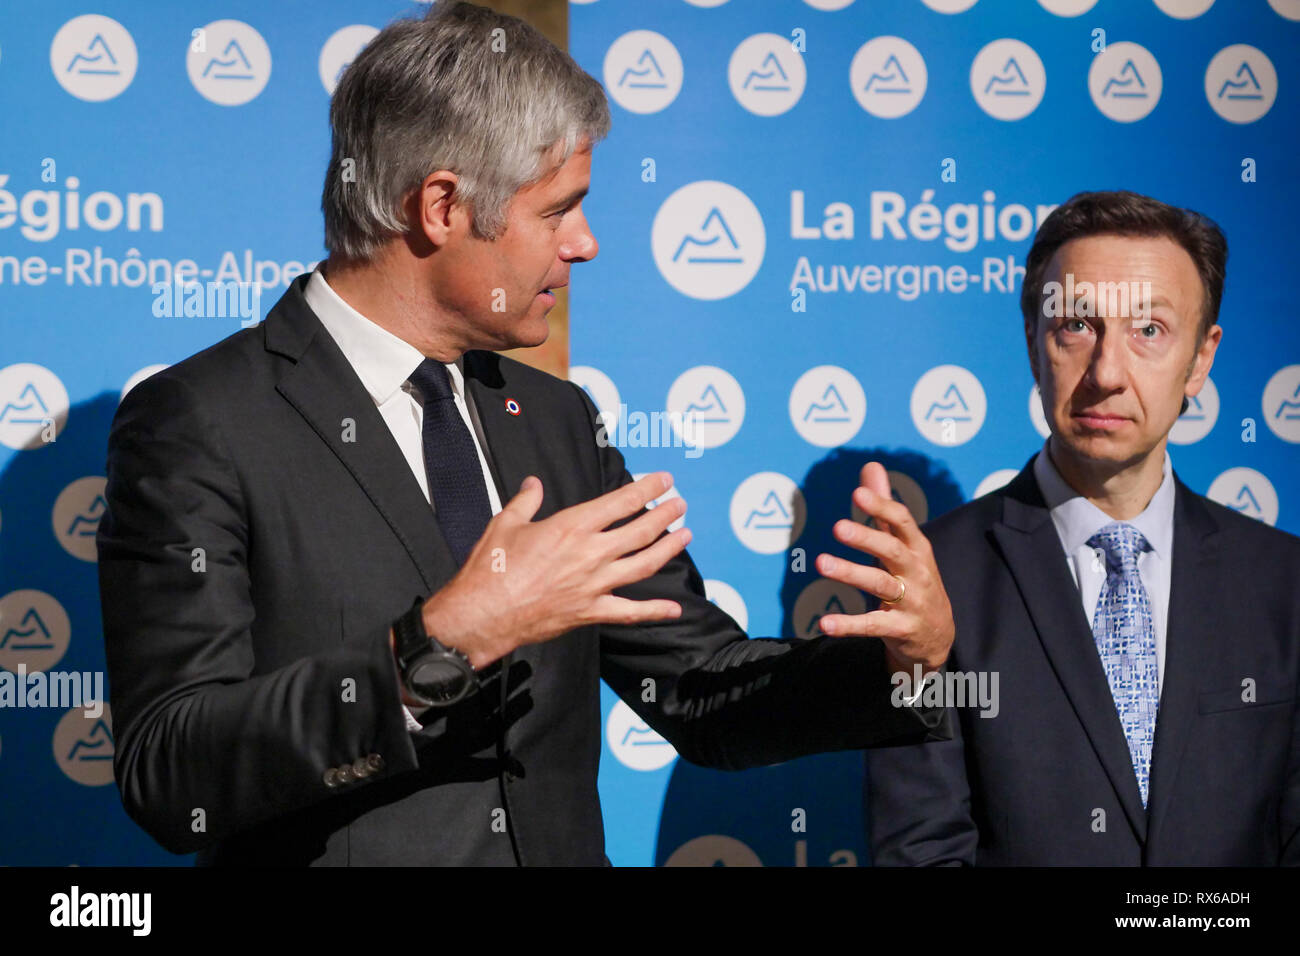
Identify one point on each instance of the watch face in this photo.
(439, 680)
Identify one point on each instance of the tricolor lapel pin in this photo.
(512, 406)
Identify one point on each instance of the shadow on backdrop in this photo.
(721, 818)
(48, 817)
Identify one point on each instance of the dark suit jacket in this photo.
(1024, 787)
(242, 673)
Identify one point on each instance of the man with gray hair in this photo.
(333, 636)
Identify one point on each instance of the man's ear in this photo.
(1203, 360)
(437, 209)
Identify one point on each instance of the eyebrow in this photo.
(568, 200)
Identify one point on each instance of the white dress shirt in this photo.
(384, 364)
(1077, 519)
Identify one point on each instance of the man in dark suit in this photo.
(1145, 639)
(277, 501)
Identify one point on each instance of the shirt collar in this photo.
(382, 361)
(1077, 519)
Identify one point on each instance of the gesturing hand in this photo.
(528, 581)
(917, 627)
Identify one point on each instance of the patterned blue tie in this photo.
(1126, 641)
(451, 463)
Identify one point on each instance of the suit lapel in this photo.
(509, 452)
(1032, 550)
(323, 387)
(1190, 635)
(513, 458)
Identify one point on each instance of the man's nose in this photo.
(1109, 369)
(583, 246)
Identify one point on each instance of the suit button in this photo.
(375, 762)
(361, 768)
(331, 777)
(346, 774)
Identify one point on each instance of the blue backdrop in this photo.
(812, 214)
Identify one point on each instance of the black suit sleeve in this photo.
(729, 702)
(206, 747)
(918, 804)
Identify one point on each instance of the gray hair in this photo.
(467, 89)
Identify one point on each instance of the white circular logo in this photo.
(827, 406)
(824, 596)
(668, 495)
(634, 742)
(643, 71)
(1125, 82)
(83, 746)
(767, 74)
(93, 57)
(949, 6)
(1008, 79)
(767, 512)
(728, 598)
(994, 481)
(228, 62)
(1247, 491)
(1067, 8)
(340, 50)
(888, 77)
(1036, 413)
(703, 3)
(604, 394)
(712, 400)
(139, 377)
(708, 240)
(1202, 412)
(948, 405)
(76, 515)
(33, 406)
(828, 4)
(1289, 9)
(1184, 9)
(715, 849)
(1282, 403)
(1240, 83)
(34, 630)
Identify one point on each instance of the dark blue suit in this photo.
(1049, 780)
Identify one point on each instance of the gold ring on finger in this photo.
(902, 590)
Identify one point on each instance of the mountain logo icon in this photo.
(98, 60)
(832, 407)
(1009, 81)
(891, 79)
(231, 65)
(712, 233)
(1244, 85)
(944, 405)
(96, 745)
(31, 634)
(1128, 84)
(769, 515)
(768, 70)
(645, 75)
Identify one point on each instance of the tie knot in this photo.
(1121, 542)
(432, 379)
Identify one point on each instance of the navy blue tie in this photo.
(451, 463)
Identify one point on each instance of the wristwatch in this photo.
(434, 674)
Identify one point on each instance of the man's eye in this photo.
(1076, 325)
(1149, 327)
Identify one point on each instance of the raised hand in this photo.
(915, 618)
(528, 581)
